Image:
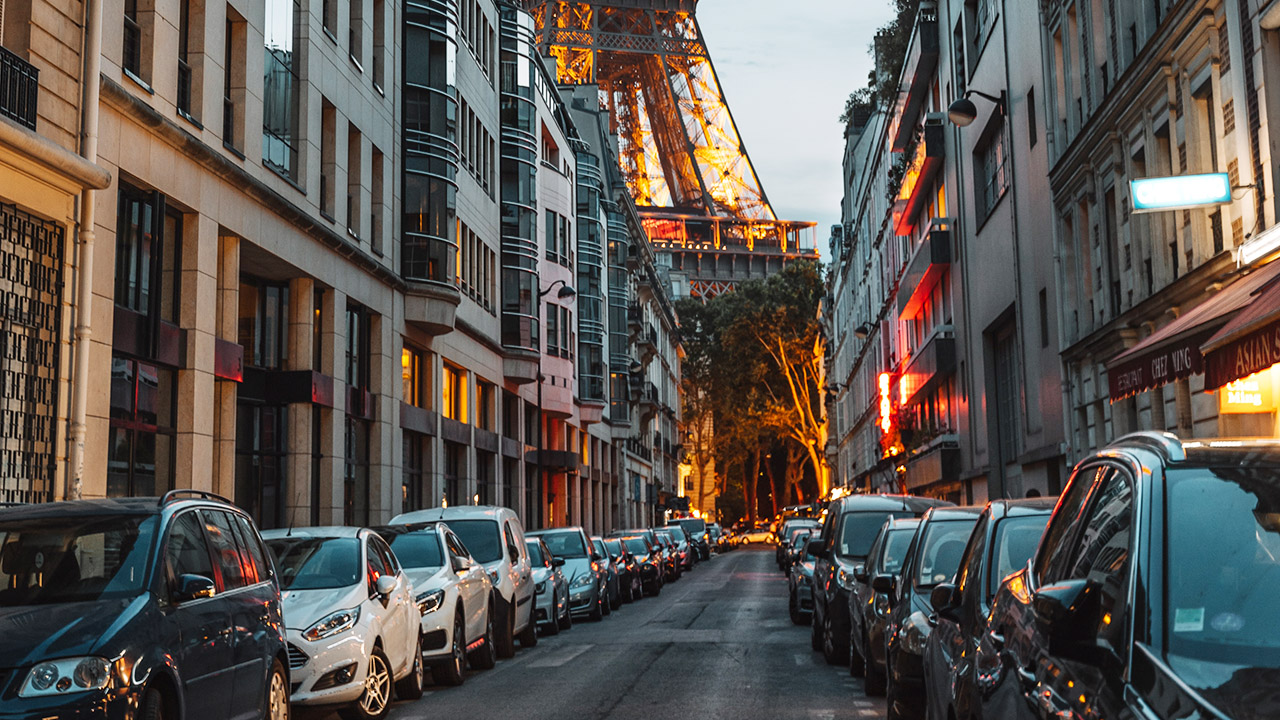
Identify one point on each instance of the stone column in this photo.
(1182, 401)
(198, 314)
(383, 465)
(226, 392)
(333, 436)
(302, 340)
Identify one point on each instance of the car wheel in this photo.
(616, 601)
(597, 609)
(566, 621)
(874, 683)
(529, 636)
(606, 606)
(553, 627)
(891, 698)
(831, 650)
(453, 671)
(375, 701)
(277, 695)
(815, 631)
(410, 686)
(153, 706)
(506, 624)
(857, 665)
(485, 656)
(793, 605)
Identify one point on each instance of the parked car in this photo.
(649, 561)
(760, 534)
(612, 583)
(869, 609)
(629, 583)
(350, 618)
(585, 574)
(933, 558)
(551, 609)
(1153, 590)
(685, 549)
(495, 539)
(800, 582)
(714, 535)
(695, 530)
(798, 546)
(1002, 542)
(454, 596)
(847, 531)
(674, 563)
(786, 537)
(102, 601)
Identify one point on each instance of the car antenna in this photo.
(291, 521)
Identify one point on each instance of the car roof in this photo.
(903, 523)
(548, 531)
(322, 531)
(963, 512)
(400, 528)
(457, 512)
(888, 502)
(1022, 507)
(83, 508)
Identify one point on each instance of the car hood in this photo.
(540, 574)
(29, 633)
(573, 567)
(302, 608)
(1241, 693)
(428, 578)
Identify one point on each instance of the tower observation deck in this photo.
(679, 150)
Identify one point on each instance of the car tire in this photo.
(410, 686)
(831, 651)
(453, 672)
(890, 698)
(553, 627)
(597, 609)
(815, 631)
(616, 601)
(153, 706)
(529, 636)
(375, 701)
(485, 656)
(566, 621)
(793, 606)
(506, 626)
(857, 663)
(873, 677)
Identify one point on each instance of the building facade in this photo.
(372, 281)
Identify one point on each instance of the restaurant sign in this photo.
(1244, 356)
(1155, 367)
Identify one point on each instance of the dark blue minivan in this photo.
(139, 607)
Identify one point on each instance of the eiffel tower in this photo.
(678, 147)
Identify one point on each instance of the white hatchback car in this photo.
(350, 619)
(454, 596)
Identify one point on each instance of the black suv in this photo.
(139, 607)
(1153, 592)
(850, 527)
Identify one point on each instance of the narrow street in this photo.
(716, 644)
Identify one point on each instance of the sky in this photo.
(786, 67)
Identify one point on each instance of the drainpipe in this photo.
(84, 290)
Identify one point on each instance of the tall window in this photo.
(184, 59)
(132, 37)
(263, 326)
(260, 462)
(486, 408)
(357, 354)
(355, 485)
(413, 377)
(148, 249)
(280, 92)
(454, 406)
(355, 31)
(355, 169)
(233, 81)
(140, 444)
(413, 469)
(993, 179)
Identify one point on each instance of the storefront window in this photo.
(140, 448)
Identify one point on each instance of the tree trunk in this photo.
(773, 486)
(750, 486)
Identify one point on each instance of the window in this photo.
(486, 411)
(263, 323)
(132, 38)
(413, 376)
(375, 202)
(186, 81)
(328, 156)
(1044, 318)
(355, 485)
(251, 550)
(1102, 556)
(553, 329)
(1033, 132)
(550, 235)
(187, 551)
(989, 163)
(217, 527)
(358, 336)
(413, 468)
(140, 449)
(379, 44)
(355, 171)
(148, 248)
(261, 455)
(1005, 347)
(233, 81)
(455, 467)
(1052, 552)
(455, 393)
(329, 18)
(281, 88)
(355, 32)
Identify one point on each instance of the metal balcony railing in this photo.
(19, 89)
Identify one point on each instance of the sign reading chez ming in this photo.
(1144, 370)
(1244, 356)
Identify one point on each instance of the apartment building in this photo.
(372, 281)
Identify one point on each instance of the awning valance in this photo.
(1174, 351)
(1248, 343)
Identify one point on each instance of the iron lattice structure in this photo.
(678, 147)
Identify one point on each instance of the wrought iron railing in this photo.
(19, 89)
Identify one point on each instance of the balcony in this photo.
(431, 306)
(925, 270)
(635, 318)
(916, 183)
(19, 89)
(917, 75)
(932, 363)
(649, 402)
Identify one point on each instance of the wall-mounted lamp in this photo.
(566, 290)
(862, 331)
(963, 112)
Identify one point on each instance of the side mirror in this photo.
(860, 573)
(945, 600)
(1063, 610)
(557, 562)
(597, 557)
(884, 584)
(461, 563)
(193, 587)
(816, 548)
(513, 552)
(385, 585)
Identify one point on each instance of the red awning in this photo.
(1173, 351)
(1248, 342)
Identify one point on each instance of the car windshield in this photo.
(636, 546)
(895, 550)
(693, 526)
(615, 546)
(857, 532)
(418, 549)
(676, 532)
(481, 538)
(1223, 566)
(796, 532)
(567, 544)
(535, 553)
(313, 563)
(74, 558)
(598, 545)
(938, 556)
(1016, 541)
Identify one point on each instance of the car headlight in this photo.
(72, 675)
(540, 587)
(429, 602)
(914, 633)
(332, 624)
(845, 579)
(583, 580)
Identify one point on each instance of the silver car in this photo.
(586, 576)
(551, 602)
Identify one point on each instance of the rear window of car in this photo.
(481, 538)
(567, 544)
(858, 530)
(311, 563)
(694, 526)
(418, 549)
(942, 546)
(895, 550)
(535, 553)
(637, 546)
(1016, 541)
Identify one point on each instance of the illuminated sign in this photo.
(1253, 394)
(886, 406)
(1180, 191)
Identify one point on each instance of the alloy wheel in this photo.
(377, 686)
(278, 696)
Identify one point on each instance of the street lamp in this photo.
(963, 112)
(566, 292)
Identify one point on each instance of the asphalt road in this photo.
(715, 645)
